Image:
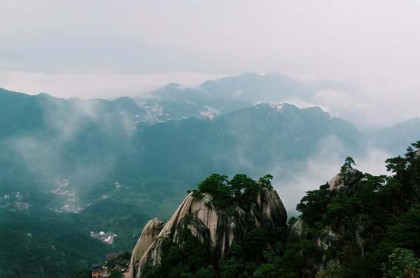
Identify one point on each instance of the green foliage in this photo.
(256, 245)
(406, 232)
(218, 187)
(214, 184)
(347, 166)
(241, 183)
(206, 272)
(199, 147)
(292, 220)
(400, 263)
(255, 242)
(292, 259)
(43, 139)
(241, 190)
(332, 271)
(265, 270)
(363, 227)
(266, 181)
(231, 267)
(83, 273)
(116, 273)
(381, 212)
(407, 168)
(53, 243)
(121, 260)
(182, 261)
(313, 205)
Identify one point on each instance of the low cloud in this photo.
(323, 166)
(58, 151)
(96, 85)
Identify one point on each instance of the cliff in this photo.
(149, 234)
(214, 227)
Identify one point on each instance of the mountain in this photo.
(110, 165)
(39, 243)
(254, 88)
(248, 140)
(363, 225)
(219, 96)
(87, 147)
(395, 138)
(204, 226)
(175, 102)
(355, 225)
(58, 182)
(26, 113)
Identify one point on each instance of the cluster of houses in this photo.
(107, 238)
(119, 261)
(14, 201)
(68, 197)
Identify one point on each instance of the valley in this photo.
(70, 167)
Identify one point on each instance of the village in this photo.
(115, 266)
(107, 238)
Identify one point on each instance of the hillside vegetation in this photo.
(357, 225)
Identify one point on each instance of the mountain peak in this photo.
(203, 219)
(172, 84)
(277, 106)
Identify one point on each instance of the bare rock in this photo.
(211, 226)
(297, 231)
(345, 182)
(149, 234)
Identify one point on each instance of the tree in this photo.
(240, 183)
(83, 273)
(266, 181)
(347, 166)
(313, 205)
(213, 184)
(406, 232)
(206, 272)
(400, 263)
(116, 274)
(332, 271)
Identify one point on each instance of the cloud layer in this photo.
(104, 48)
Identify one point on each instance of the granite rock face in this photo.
(149, 234)
(345, 182)
(297, 231)
(215, 227)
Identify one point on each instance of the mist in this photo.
(75, 151)
(321, 167)
(105, 85)
(107, 49)
(111, 111)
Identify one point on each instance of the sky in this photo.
(102, 48)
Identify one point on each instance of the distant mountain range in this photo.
(249, 140)
(215, 97)
(392, 138)
(95, 164)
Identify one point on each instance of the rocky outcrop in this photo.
(269, 209)
(296, 231)
(214, 227)
(345, 181)
(149, 234)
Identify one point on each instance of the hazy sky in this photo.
(103, 48)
